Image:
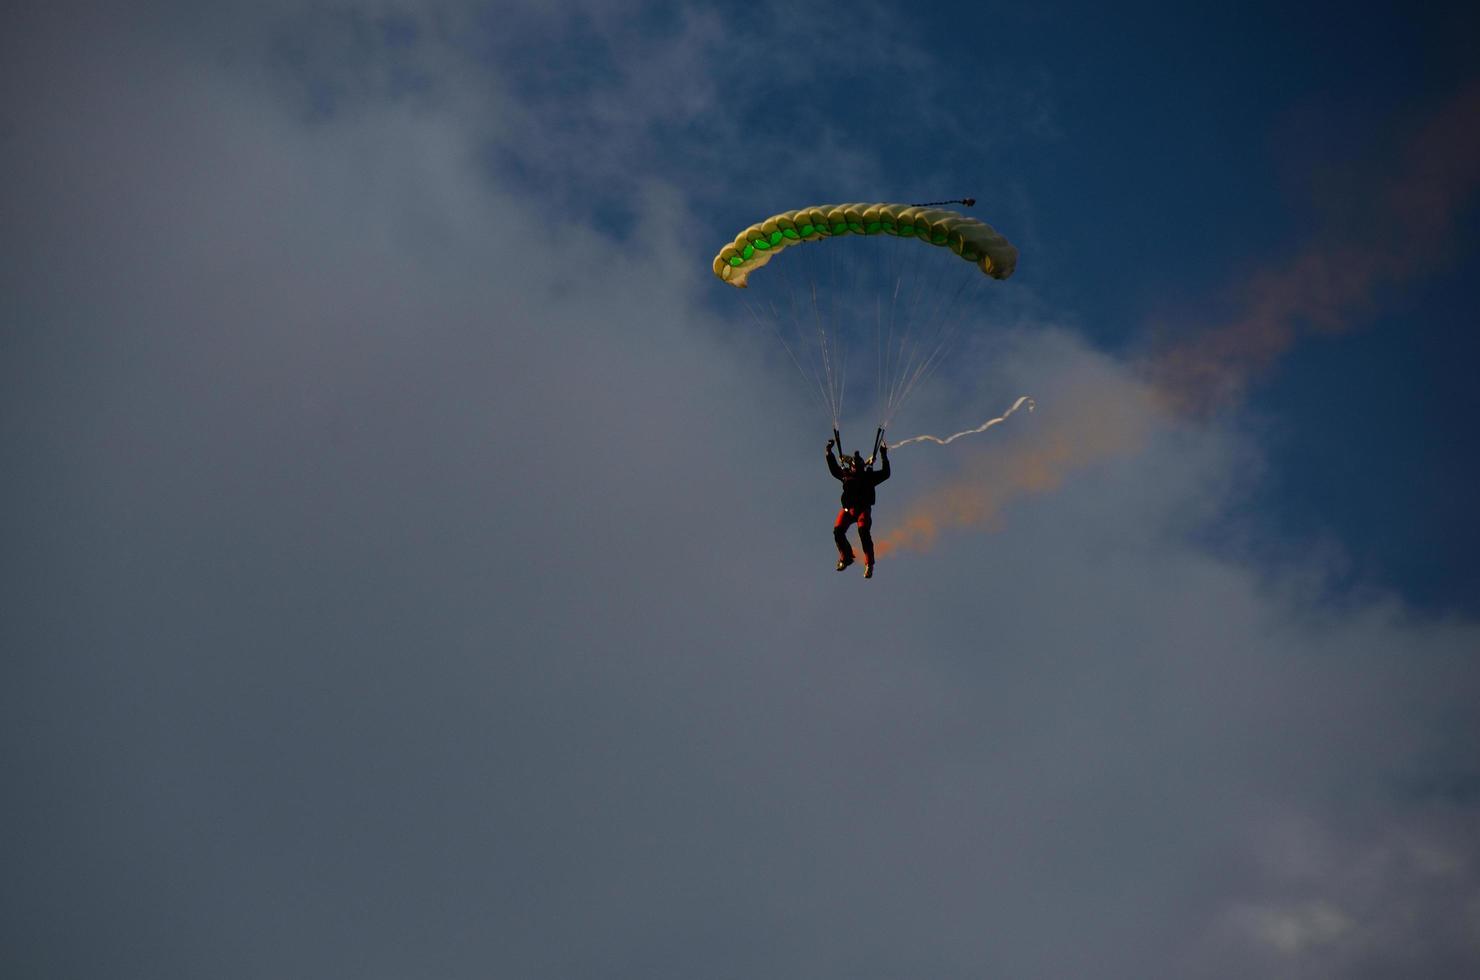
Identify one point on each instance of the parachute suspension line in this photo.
(894, 303)
(886, 272)
(800, 334)
(940, 330)
(879, 330)
(886, 401)
(812, 371)
(814, 357)
(898, 358)
(944, 313)
(878, 358)
(818, 395)
(910, 356)
(908, 352)
(878, 336)
(943, 339)
(830, 324)
(1024, 400)
(903, 328)
(842, 374)
(825, 346)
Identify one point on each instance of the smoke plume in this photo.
(1390, 238)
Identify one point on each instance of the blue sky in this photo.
(418, 565)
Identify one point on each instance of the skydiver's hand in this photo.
(829, 445)
(883, 449)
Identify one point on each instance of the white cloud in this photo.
(1294, 929)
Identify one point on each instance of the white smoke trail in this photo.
(1024, 400)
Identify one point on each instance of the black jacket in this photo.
(858, 485)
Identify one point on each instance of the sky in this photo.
(417, 564)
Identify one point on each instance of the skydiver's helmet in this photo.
(856, 461)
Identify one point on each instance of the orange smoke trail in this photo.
(1326, 287)
(1102, 423)
(1333, 283)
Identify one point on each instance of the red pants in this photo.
(865, 521)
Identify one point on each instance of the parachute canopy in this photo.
(973, 240)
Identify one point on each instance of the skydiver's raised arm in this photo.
(832, 464)
(883, 474)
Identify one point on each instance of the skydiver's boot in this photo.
(868, 570)
(844, 562)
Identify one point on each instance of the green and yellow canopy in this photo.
(973, 240)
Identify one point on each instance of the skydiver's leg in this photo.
(865, 535)
(840, 535)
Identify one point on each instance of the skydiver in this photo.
(858, 499)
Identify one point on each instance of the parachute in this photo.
(973, 240)
(821, 300)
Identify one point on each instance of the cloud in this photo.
(1294, 929)
(1386, 899)
(408, 578)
